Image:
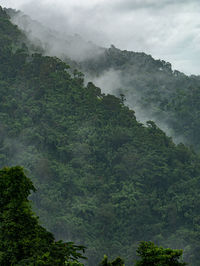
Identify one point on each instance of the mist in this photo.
(80, 31)
(54, 42)
(136, 84)
(109, 81)
(168, 30)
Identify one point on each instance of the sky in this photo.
(166, 29)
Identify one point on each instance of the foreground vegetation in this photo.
(103, 179)
(24, 242)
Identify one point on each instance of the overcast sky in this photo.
(166, 29)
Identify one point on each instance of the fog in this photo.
(54, 42)
(109, 81)
(79, 29)
(166, 29)
(115, 82)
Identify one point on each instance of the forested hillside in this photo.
(103, 179)
(150, 86)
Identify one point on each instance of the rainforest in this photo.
(102, 178)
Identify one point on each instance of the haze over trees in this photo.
(103, 179)
(151, 87)
(24, 242)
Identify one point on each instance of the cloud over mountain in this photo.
(167, 29)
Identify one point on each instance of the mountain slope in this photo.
(103, 179)
(151, 87)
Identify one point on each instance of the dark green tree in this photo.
(152, 255)
(102, 176)
(22, 240)
(117, 262)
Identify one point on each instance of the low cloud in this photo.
(109, 81)
(167, 29)
(56, 43)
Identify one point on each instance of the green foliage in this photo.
(103, 179)
(152, 255)
(117, 262)
(169, 97)
(22, 240)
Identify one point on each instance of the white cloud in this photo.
(167, 29)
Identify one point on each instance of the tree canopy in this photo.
(153, 255)
(103, 179)
(22, 240)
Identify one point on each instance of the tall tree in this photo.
(152, 255)
(22, 240)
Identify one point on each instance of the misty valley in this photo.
(99, 153)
